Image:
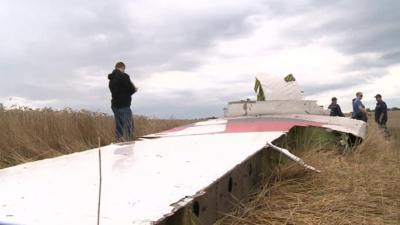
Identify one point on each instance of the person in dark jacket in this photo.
(381, 115)
(335, 108)
(122, 89)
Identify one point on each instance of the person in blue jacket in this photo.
(359, 111)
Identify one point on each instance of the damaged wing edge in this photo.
(291, 156)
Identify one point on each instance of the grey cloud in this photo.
(163, 109)
(373, 26)
(313, 89)
(352, 80)
(50, 40)
(381, 62)
(354, 26)
(392, 57)
(53, 39)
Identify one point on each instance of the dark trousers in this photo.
(123, 123)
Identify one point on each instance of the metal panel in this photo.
(205, 206)
(276, 88)
(274, 107)
(148, 182)
(62, 190)
(222, 196)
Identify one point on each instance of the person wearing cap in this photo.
(122, 89)
(335, 108)
(359, 111)
(381, 116)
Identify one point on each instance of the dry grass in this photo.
(359, 188)
(28, 135)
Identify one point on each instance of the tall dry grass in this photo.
(362, 187)
(27, 134)
(394, 128)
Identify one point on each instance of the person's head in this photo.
(378, 97)
(334, 100)
(120, 66)
(359, 95)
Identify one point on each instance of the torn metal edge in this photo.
(180, 204)
(291, 156)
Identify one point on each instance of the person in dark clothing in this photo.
(122, 88)
(335, 108)
(381, 115)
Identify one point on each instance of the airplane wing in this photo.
(146, 181)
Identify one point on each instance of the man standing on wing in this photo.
(335, 108)
(122, 89)
(381, 116)
(359, 111)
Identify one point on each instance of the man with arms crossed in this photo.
(122, 89)
(381, 116)
(359, 111)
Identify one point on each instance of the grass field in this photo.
(362, 187)
(28, 135)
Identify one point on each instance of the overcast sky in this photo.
(189, 58)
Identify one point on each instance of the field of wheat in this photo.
(28, 135)
(361, 187)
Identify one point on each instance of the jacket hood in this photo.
(113, 74)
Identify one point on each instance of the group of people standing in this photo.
(122, 89)
(359, 110)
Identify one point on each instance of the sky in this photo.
(189, 58)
